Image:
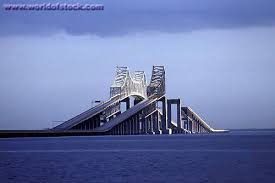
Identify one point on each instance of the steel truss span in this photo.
(150, 114)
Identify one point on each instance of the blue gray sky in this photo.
(219, 58)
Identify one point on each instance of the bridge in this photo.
(151, 112)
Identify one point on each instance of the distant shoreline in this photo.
(52, 133)
(44, 133)
(253, 129)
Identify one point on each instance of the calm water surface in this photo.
(239, 156)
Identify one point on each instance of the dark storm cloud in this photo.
(123, 17)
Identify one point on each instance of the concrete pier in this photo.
(169, 112)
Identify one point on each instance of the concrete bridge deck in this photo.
(142, 118)
(145, 117)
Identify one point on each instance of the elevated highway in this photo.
(135, 110)
(144, 117)
(88, 114)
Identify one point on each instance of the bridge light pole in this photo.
(93, 102)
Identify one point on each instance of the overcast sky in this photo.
(218, 54)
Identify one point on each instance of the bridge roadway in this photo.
(174, 126)
(143, 118)
(196, 119)
(88, 114)
(191, 115)
(127, 114)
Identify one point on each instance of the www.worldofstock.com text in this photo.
(53, 7)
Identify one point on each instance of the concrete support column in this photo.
(146, 126)
(89, 124)
(179, 115)
(122, 128)
(93, 123)
(86, 125)
(135, 125)
(169, 113)
(127, 101)
(191, 126)
(96, 122)
(164, 117)
(151, 128)
(187, 124)
(143, 124)
(156, 123)
(118, 129)
(125, 128)
(199, 128)
(130, 126)
(138, 124)
(128, 129)
(159, 122)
